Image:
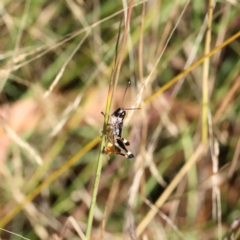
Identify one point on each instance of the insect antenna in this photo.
(132, 108)
(128, 84)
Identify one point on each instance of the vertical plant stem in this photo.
(124, 39)
(99, 162)
(94, 194)
(205, 91)
(113, 81)
(140, 49)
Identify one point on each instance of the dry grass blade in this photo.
(148, 78)
(77, 228)
(227, 99)
(47, 182)
(39, 52)
(12, 233)
(206, 63)
(21, 143)
(56, 80)
(19, 36)
(235, 160)
(194, 65)
(167, 219)
(140, 49)
(201, 149)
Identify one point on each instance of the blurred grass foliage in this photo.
(56, 61)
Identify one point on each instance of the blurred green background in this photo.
(56, 61)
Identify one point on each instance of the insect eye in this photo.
(118, 112)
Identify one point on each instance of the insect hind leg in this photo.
(126, 142)
(121, 146)
(129, 155)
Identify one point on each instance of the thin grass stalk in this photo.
(129, 42)
(167, 29)
(99, 163)
(140, 49)
(15, 234)
(48, 160)
(205, 91)
(124, 39)
(112, 86)
(234, 162)
(95, 190)
(207, 123)
(227, 99)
